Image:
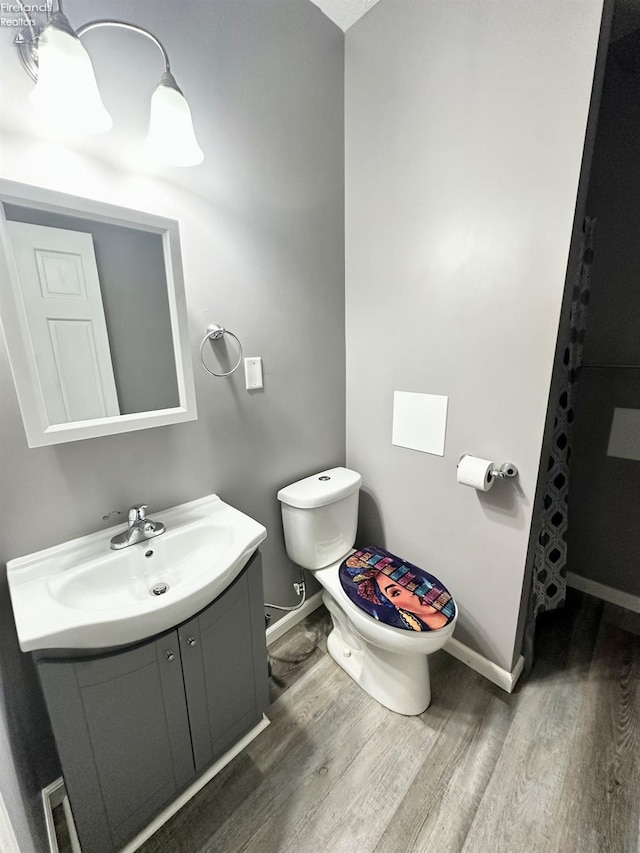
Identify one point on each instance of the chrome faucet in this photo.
(140, 528)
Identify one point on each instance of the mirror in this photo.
(93, 311)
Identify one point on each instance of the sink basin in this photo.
(83, 595)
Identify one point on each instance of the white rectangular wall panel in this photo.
(624, 438)
(419, 421)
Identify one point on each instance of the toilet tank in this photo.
(320, 517)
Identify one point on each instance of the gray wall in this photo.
(465, 126)
(136, 307)
(604, 496)
(262, 234)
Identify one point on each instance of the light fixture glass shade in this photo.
(66, 92)
(172, 138)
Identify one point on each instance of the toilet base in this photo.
(400, 682)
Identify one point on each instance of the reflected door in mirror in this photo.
(67, 328)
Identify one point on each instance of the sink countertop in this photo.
(82, 595)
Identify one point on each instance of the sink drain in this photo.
(159, 588)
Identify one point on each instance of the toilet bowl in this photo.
(389, 662)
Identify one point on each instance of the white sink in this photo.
(83, 595)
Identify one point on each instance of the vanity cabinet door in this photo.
(121, 726)
(224, 660)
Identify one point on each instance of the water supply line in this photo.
(301, 589)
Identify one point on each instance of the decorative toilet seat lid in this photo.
(396, 592)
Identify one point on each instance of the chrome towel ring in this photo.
(215, 333)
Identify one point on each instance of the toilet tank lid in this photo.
(321, 489)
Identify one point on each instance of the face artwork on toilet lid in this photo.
(396, 592)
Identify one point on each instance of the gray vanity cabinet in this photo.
(136, 726)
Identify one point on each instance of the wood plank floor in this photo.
(553, 767)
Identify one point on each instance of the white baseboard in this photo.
(279, 628)
(482, 665)
(55, 794)
(606, 593)
(8, 840)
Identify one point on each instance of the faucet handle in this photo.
(137, 513)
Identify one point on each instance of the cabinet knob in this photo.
(191, 641)
(170, 655)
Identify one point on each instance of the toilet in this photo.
(388, 615)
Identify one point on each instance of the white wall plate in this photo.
(419, 421)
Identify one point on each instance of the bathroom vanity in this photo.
(146, 691)
(137, 725)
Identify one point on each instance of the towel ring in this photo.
(214, 333)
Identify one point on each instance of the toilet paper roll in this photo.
(475, 472)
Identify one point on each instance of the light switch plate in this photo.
(420, 421)
(253, 373)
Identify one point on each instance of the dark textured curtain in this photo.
(550, 559)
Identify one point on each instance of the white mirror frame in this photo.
(14, 319)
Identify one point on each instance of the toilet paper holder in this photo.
(506, 471)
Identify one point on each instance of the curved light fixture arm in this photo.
(26, 44)
(106, 22)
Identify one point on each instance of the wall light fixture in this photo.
(66, 92)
